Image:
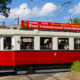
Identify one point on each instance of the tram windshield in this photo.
(76, 43)
(27, 43)
(63, 43)
(46, 43)
(7, 43)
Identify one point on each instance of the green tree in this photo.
(4, 9)
(76, 21)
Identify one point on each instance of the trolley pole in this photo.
(70, 21)
(18, 19)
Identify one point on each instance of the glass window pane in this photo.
(46, 43)
(76, 43)
(27, 43)
(7, 43)
(63, 43)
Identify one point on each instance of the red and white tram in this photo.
(34, 49)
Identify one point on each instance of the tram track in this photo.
(34, 76)
(51, 77)
(29, 77)
(46, 75)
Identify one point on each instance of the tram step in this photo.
(52, 70)
(4, 71)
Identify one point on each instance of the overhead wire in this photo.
(19, 15)
(58, 1)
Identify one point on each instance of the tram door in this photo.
(7, 53)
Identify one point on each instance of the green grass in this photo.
(76, 66)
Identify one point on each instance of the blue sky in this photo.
(41, 10)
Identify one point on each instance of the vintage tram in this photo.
(36, 49)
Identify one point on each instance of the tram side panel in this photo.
(0, 58)
(45, 57)
(41, 57)
(7, 60)
(24, 57)
(76, 56)
(71, 55)
(63, 56)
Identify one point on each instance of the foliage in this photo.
(76, 66)
(4, 9)
(76, 21)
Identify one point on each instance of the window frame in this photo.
(74, 42)
(2, 43)
(46, 38)
(26, 37)
(68, 43)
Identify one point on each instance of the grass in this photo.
(76, 66)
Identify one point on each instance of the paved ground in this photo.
(41, 76)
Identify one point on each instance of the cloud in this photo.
(75, 10)
(48, 8)
(1, 17)
(25, 12)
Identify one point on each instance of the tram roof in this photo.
(35, 32)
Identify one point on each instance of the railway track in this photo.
(38, 75)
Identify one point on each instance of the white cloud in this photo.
(1, 17)
(75, 10)
(24, 12)
(48, 8)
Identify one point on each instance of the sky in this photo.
(41, 10)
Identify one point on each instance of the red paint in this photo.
(7, 58)
(49, 25)
(13, 58)
(46, 57)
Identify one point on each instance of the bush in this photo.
(76, 66)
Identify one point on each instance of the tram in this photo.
(35, 49)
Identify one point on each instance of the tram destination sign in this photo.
(49, 25)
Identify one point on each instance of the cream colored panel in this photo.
(17, 42)
(71, 43)
(55, 43)
(2, 43)
(13, 43)
(36, 43)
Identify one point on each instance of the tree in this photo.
(76, 21)
(4, 9)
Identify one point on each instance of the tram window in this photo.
(27, 43)
(46, 43)
(7, 43)
(76, 43)
(63, 43)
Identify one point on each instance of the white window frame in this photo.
(69, 43)
(55, 43)
(2, 42)
(73, 40)
(47, 37)
(27, 37)
(37, 43)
